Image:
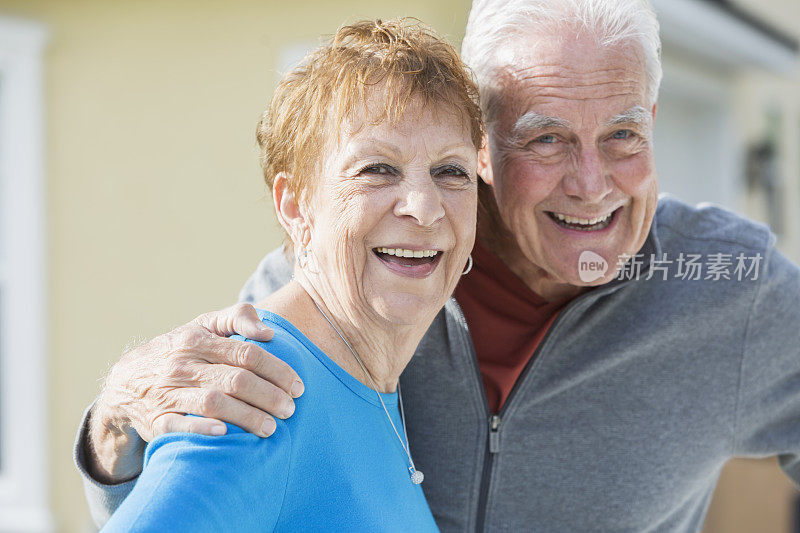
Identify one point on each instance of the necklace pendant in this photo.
(416, 476)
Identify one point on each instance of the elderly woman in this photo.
(369, 147)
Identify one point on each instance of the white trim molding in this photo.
(24, 503)
(706, 30)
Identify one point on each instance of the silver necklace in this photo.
(416, 476)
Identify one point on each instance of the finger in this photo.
(247, 323)
(212, 403)
(252, 357)
(240, 318)
(176, 422)
(246, 386)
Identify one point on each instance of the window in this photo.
(23, 465)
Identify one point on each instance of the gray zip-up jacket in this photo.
(640, 392)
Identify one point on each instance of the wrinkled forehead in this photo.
(387, 109)
(380, 120)
(539, 71)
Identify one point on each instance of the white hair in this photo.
(493, 23)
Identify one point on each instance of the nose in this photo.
(421, 200)
(588, 180)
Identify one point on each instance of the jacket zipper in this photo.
(494, 435)
(493, 445)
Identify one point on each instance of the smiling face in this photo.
(391, 218)
(570, 157)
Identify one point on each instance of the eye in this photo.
(546, 139)
(452, 176)
(622, 134)
(450, 170)
(378, 168)
(548, 146)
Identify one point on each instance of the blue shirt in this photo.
(336, 464)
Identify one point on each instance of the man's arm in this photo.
(768, 410)
(193, 369)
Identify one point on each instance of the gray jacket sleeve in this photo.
(273, 272)
(768, 408)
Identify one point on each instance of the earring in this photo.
(305, 258)
(301, 254)
(469, 266)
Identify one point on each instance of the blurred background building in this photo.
(131, 200)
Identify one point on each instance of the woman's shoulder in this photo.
(288, 343)
(226, 448)
(245, 474)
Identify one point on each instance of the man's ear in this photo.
(485, 163)
(287, 208)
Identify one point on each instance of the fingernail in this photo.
(268, 427)
(288, 410)
(218, 430)
(297, 389)
(266, 331)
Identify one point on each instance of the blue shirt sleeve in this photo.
(234, 482)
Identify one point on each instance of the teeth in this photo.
(402, 252)
(582, 221)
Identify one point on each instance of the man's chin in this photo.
(577, 281)
(588, 269)
(599, 281)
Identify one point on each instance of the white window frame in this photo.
(23, 322)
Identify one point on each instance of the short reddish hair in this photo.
(402, 56)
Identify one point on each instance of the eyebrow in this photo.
(635, 115)
(384, 148)
(378, 145)
(532, 121)
(455, 150)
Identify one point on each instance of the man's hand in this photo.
(192, 369)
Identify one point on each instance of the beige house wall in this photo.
(156, 210)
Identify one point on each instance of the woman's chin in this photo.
(406, 309)
(404, 300)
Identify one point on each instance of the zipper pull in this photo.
(494, 435)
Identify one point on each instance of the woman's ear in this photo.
(287, 208)
(484, 163)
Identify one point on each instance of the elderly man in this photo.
(605, 357)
